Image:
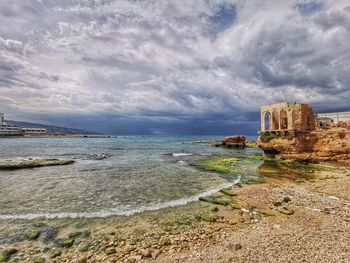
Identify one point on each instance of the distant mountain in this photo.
(51, 129)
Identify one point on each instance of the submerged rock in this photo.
(13, 165)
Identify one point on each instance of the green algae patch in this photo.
(235, 205)
(55, 253)
(227, 192)
(254, 180)
(32, 234)
(25, 164)
(225, 165)
(266, 213)
(267, 136)
(5, 256)
(207, 217)
(68, 242)
(293, 171)
(251, 144)
(210, 218)
(39, 260)
(214, 209)
(216, 200)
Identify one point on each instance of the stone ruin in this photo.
(287, 117)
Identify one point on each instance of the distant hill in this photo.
(50, 128)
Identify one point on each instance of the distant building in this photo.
(335, 116)
(8, 130)
(12, 130)
(323, 122)
(34, 131)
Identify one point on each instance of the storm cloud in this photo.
(158, 67)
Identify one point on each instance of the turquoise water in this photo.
(139, 173)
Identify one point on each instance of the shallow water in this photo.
(140, 173)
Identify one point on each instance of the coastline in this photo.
(203, 232)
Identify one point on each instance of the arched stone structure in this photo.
(283, 120)
(267, 121)
(287, 117)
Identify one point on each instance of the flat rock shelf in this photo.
(23, 164)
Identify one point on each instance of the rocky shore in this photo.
(331, 144)
(279, 220)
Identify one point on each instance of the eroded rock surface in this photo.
(323, 145)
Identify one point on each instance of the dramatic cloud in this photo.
(170, 66)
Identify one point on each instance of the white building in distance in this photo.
(12, 130)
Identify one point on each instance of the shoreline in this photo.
(204, 232)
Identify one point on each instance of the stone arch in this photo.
(267, 121)
(283, 120)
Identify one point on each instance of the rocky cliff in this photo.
(323, 145)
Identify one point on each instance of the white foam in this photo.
(181, 154)
(119, 212)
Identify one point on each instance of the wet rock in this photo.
(164, 241)
(155, 254)
(68, 242)
(210, 218)
(55, 253)
(228, 192)
(136, 258)
(216, 200)
(146, 253)
(49, 234)
(75, 234)
(84, 248)
(278, 203)
(38, 260)
(64, 242)
(214, 209)
(110, 251)
(287, 199)
(285, 210)
(32, 234)
(13, 165)
(234, 247)
(6, 255)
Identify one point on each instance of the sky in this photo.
(170, 67)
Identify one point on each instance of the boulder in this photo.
(234, 142)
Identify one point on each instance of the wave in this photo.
(119, 212)
(181, 154)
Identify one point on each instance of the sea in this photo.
(121, 175)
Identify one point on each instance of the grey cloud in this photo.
(194, 59)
